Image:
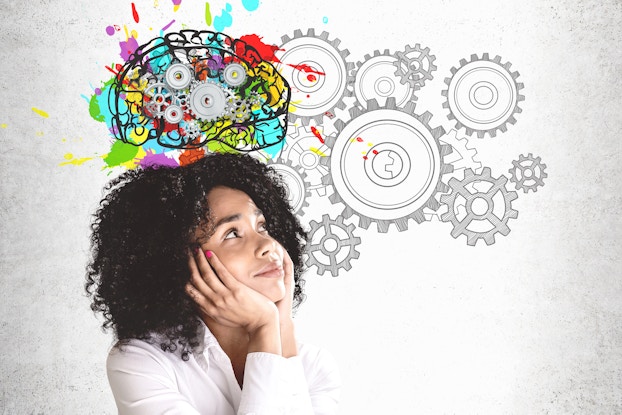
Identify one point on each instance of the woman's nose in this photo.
(265, 245)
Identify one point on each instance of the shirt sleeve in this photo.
(142, 384)
(299, 385)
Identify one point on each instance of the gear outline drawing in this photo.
(300, 92)
(462, 157)
(300, 178)
(535, 166)
(369, 81)
(470, 121)
(419, 65)
(303, 149)
(458, 188)
(428, 197)
(350, 242)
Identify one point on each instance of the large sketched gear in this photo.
(415, 65)
(483, 95)
(479, 206)
(386, 165)
(332, 245)
(305, 150)
(295, 184)
(528, 173)
(317, 72)
(461, 157)
(375, 78)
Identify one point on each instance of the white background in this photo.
(422, 323)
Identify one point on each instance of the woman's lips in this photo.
(271, 271)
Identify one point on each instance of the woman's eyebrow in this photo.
(234, 217)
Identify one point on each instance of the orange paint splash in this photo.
(317, 134)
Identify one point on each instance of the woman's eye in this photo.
(233, 233)
(262, 227)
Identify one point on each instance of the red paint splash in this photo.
(317, 134)
(303, 67)
(375, 151)
(135, 13)
(266, 52)
(359, 139)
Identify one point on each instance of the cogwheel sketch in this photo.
(462, 157)
(295, 183)
(386, 165)
(483, 95)
(317, 71)
(479, 206)
(332, 245)
(303, 148)
(415, 65)
(376, 78)
(528, 173)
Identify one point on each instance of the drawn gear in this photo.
(317, 72)
(483, 95)
(193, 130)
(375, 78)
(303, 149)
(158, 98)
(462, 157)
(466, 209)
(528, 173)
(207, 100)
(415, 66)
(386, 165)
(295, 184)
(332, 245)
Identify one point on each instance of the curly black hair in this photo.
(143, 229)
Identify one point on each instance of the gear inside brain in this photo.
(192, 89)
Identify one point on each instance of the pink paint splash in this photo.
(168, 25)
(128, 48)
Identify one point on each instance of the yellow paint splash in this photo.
(39, 133)
(3, 125)
(317, 151)
(40, 112)
(75, 161)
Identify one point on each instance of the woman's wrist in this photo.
(266, 336)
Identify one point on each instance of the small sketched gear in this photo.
(234, 74)
(462, 157)
(483, 95)
(332, 245)
(192, 130)
(386, 165)
(173, 114)
(296, 185)
(375, 78)
(479, 206)
(158, 98)
(207, 100)
(415, 65)
(305, 150)
(179, 76)
(528, 173)
(317, 71)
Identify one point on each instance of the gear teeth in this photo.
(320, 251)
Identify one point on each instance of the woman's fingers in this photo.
(207, 273)
(220, 270)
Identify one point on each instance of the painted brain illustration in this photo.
(194, 89)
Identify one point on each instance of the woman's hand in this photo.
(224, 299)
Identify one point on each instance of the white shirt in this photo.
(145, 380)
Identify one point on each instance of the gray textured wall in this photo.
(422, 323)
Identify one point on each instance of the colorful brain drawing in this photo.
(196, 91)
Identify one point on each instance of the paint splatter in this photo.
(40, 112)
(307, 69)
(110, 30)
(168, 25)
(317, 134)
(135, 13)
(265, 51)
(317, 151)
(250, 5)
(128, 48)
(224, 20)
(3, 125)
(325, 20)
(208, 15)
(75, 161)
(176, 4)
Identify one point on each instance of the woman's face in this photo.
(242, 244)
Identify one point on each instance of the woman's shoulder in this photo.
(140, 355)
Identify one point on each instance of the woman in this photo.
(197, 270)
